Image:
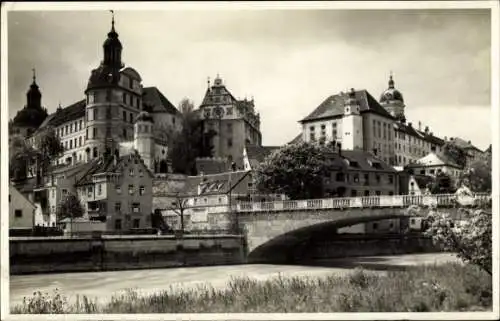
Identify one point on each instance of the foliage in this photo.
(442, 184)
(296, 170)
(70, 207)
(447, 287)
(188, 144)
(49, 146)
(21, 155)
(186, 106)
(477, 176)
(471, 239)
(457, 154)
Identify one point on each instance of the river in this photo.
(102, 285)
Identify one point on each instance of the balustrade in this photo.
(363, 202)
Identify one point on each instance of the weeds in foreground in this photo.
(447, 287)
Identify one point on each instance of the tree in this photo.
(188, 144)
(69, 207)
(49, 146)
(457, 154)
(179, 205)
(477, 176)
(21, 155)
(442, 184)
(296, 170)
(471, 240)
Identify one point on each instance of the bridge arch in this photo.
(281, 246)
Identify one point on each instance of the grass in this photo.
(446, 287)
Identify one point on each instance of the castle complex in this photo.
(116, 141)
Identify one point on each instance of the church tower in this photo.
(392, 100)
(352, 123)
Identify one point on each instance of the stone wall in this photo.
(62, 254)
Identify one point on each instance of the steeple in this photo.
(33, 96)
(112, 48)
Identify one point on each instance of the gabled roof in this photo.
(101, 165)
(358, 159)
(159, 103)
(434, 159)
(213, 184)
(259, 153)
(333, 106)
(410, 130)
(13, 188)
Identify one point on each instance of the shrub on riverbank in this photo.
(447, 287)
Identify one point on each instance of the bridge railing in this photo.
(364, 202)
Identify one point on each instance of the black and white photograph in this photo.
(250, 160)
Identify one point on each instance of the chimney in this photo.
(419, 125)
(451, 138)
(431, 133)
(469, 142)
(445, 138)
(409, 124)
(426, 129)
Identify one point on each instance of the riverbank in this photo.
(446, 287)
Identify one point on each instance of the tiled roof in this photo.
(158, 102)
(259, 153)
(211, 93)
(296, 140)
(100, 165)
(459, 142)
(333, 106)
(214, 184)
(410, 130)
(365, 161)
(440, 155)
(72, 112)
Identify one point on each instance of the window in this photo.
(141, 190)
(131, 189)
(136, 207)
(229, 111)
(124, 98)
(356, 178)
(375, 226)
(64, 192)
(131, 172)
(377, 178)
(118, 224)
(354, 193)
(66, 129)
(118, 207)
(124, 116)
(71, 144)
(80, 141)
(131, 118)
(94, 133)
(89, 191)
(99, 189)
(367, 179)
(367, 193)
(95, 152)
(391, 179)
(432, 171)
(136, 223)
(124, 133)
(340, 177)
(141, 174)
(81, 124)
(229, 128)
(95, 114)
(18, 213)
(118, 189)
(229, 142)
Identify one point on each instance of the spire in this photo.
(34, 76)
(208, 82)
(391, 81)
(112, 47)
(112, 21)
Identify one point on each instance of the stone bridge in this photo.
(269, 227)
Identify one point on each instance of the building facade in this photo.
(235, 122)
(21, 210)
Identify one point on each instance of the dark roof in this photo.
(459, 142)
(441, 155)
(63, 115)
(410, 130)
(30, 117)
(333, 106)
(365, 161)
(101, 165)
(296, 140)
(214, 184)
(158, 102)
(25, 186)
(219, 91)
(259, 153)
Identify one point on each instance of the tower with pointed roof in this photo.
(234, 122)
(32, 115)
(392, 100)
(113, 100)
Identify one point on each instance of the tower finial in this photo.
(208, 82)
(112, 20)
(391, 80)
(34, 75)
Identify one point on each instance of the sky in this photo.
(288, 60)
